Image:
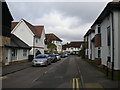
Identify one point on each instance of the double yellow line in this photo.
(3, 77)
(75, 83)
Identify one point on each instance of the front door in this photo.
(6, 56)
(14, 54)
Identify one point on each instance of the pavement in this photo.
(15, 67)
(92, 78)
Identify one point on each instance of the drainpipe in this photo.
(33, 45)
(112, 46)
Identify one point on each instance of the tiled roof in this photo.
(75, 44)
(13, 24)
(51, 37)
(17, 43)
(37, 30)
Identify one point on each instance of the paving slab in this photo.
(15, 67)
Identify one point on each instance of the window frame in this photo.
(24, 52)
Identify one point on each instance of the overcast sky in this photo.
(68, 20)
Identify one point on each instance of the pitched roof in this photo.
(37, 30)
(109, 7)
(13, 24)
(75, 44)
(17, 43)
(89, 32)
(51, 37)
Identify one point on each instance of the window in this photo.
(24, 52)
(108, 36)
(36, 40)
(14, 52)
(99, 29)
(99, 53)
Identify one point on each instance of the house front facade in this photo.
(74, 47)
(52, 38)
(89, 44)
(16, 51)
(106, 38)
(33, 36)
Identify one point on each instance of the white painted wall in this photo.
(24, 33)
(90, 37)
(119, 40)
(86, 50)
(40, 42)
(71, 49)
(116, 31)
(59, 45)
(20, 55)
(105, 49)
(7, 56)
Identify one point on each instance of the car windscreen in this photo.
(41, 56)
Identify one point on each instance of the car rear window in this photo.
(41, 56)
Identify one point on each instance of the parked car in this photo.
(41, 60)
(64, 55)
(58, 56)
(53, 57)
(68, 54)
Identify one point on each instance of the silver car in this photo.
(41, 60)
(58, 56)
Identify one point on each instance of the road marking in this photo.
(75, 83)
(79, 72)
(3, 77)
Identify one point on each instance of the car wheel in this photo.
(46, 64)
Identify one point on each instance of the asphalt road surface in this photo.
(69, 72)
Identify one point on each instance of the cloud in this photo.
(68, 20)
(65, 27)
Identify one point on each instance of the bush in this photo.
(82, 53)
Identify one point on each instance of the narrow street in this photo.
(69, 72)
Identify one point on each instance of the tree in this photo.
(82, 52)
(51, 47)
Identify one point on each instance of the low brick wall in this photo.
(97, 61)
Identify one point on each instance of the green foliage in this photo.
(37, 53)
(82, 53)
(51, 47)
